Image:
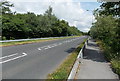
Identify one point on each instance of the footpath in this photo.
(93, 65)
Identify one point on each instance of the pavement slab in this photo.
(93, 65)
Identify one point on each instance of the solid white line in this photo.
(8, 56)
(24, 54)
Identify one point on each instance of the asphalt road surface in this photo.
(36, 60)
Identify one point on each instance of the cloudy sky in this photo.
(73, 11)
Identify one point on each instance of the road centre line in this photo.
(52, 46)
(46, 48)
(39, 49)
(24, 54)
(56, 44)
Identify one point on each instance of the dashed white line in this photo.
(39, 49)
(55, 44)
(52, 46)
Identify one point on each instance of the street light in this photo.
(92, 14)
(91, 17)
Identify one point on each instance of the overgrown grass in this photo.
(63, 71)
(31, 41)
(114, 59)
(116, 65)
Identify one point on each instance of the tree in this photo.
(30, 25)
(110, 8)
(5, 6)
(107, 27)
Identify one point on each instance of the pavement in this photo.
(93, 65)
(36, 60)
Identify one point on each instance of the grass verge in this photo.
(115, 61)
(31, 41)
(63, 71)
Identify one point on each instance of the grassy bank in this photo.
(63, 71)
(114, 59)
(31, 41)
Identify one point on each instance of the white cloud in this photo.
(63, 9)
(53, 0)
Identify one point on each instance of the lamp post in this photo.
(91, 16)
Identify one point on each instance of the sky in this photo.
(77, 12)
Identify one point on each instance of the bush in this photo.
(116, 65)
(3, 38)
(12, 38)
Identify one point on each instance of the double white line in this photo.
(5, 57)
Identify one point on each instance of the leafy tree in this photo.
(107, 27)
(109, 8)
(30, 25)
(5, 6)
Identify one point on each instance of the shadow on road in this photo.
(70, 50)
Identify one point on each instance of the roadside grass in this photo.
(63, 71)
(31, 41)
(116, 65)
(112, 58)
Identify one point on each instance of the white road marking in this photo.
(24, 54)
(52, 45)
(39, 49)
(43, 46)
(8, 56)
(47, 48)
(59, 43)
(56, 44)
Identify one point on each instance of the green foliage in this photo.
(107, 29)
(5, 6)
(109, 8)
(3, 38)
(116, 65)
(30, 25)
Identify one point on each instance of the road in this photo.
(36, 60)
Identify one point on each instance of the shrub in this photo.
(3, 38)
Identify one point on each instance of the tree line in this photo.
(30, 25)
(107, 29)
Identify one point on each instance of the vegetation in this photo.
(63, 71)
(107, 30)
(30, 25)
(30, 41)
